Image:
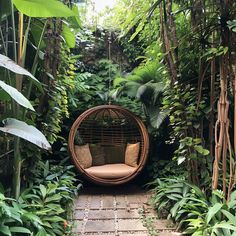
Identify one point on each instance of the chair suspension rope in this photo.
(109, 58)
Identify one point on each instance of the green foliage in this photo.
(159, 168)
(26, 132)
(92, 88)
(60, 96)
(145, 84)
(42, 208)
(10, 217)
(196, 213)
(43, 8)
(186, 117)
(14, 94)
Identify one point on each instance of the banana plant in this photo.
(11, 84)
(14, 126)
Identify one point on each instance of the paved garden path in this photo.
(117, 211)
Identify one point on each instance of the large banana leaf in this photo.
(7, 63)
(43, 8)
(75, 21)
(68, 36)
(25, 131)
(16, 95)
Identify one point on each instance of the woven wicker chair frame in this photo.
(109, 125)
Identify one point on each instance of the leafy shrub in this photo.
(11, 217)
(43, 207)
(196, 213)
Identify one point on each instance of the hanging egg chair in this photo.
(108, 144)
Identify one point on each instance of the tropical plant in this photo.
(11, 217)
(145, 84)
(44, 207)
(27, 12)
(17, 127)
(196, 213)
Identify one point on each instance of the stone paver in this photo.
(78, 214)
(130, 225)
(131, 214)
(101, 214)
(95, 202)
(100, 226)
(116, 211)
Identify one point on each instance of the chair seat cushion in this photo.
(110, 171)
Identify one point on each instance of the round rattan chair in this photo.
(109, 125)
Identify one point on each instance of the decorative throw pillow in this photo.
(83, 155)
(78, 139)
(114, 154)
(132, 154)
(98, 155)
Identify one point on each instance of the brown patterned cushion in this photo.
(83, 155)
(98, 155)
(132, 154)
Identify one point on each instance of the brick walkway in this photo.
(117, 211)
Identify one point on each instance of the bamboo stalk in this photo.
(20, 51)
(14, 32)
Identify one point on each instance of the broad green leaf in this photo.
(230, 217)
(118, 81)
(137, 31)
(233, 196)
(42, 232)
(32, 217)
(55, 197)
(225, 225)
(7, 63)
(4, 96)
(25, 131)
(43, 8)
(16, 95)
(212, 212)
(232, 204)
(5, 230)
(181, 159)
(54, 219)
(68, 36)
(232, 25)
(201, 150)
(20, 230)
(75, 21)
(36, 31)
(43, 190)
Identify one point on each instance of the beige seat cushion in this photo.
(83, 155)
(132, 154)
(110, 171)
